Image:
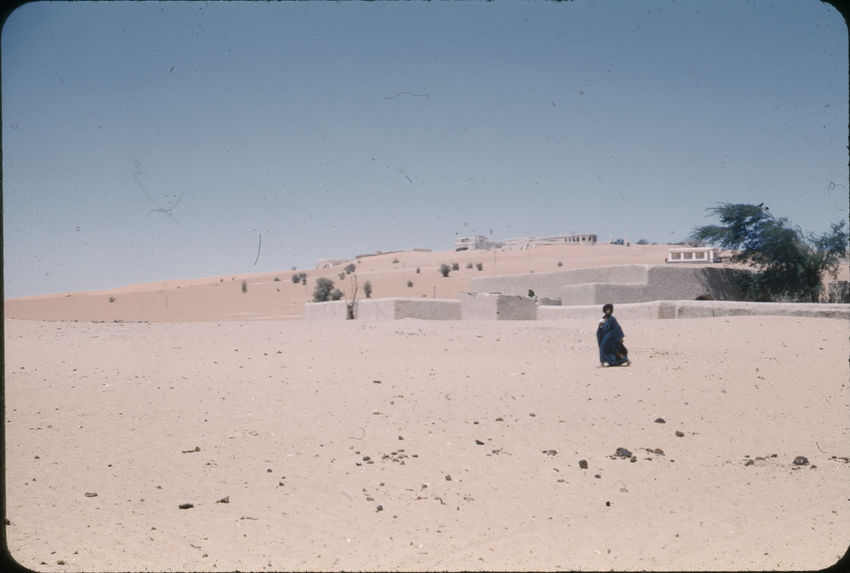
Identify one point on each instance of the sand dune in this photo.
(201, 442)
(274, 296)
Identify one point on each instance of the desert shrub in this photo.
(395, 261)
(479, 266)
(336, 294)
(323, 290)
(112, 299)
(455, 266)
(277, 279)
(296, 278)
(469, 265)
(418, 270)
(409, 284)
(341, 276)
(560, 264)
(367, 289)
(244, 286)
(445, 269)
(303, 278)
(350, 268)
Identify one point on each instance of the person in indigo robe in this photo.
(610, 336)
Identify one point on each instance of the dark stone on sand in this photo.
(660, 421)
(680, 434)
(582, 464)
(801, 461)
(623, 453)
(186, 506)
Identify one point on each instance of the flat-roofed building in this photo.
(476, 243)
(692, 255)
(521, 243)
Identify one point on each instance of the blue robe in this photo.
(609, 336)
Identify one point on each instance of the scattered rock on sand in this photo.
(622, 453)
(582, 464)
(680, 434)
(801, 461)
(660, 421)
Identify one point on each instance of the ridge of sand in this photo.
(274, 296)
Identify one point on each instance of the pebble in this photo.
(582, 464)
(801, 461)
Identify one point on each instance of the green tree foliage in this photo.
(323, 290)
(445, 269)
(789, 264)
(336, 294)
(349, 268)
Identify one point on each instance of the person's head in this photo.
(608, 309)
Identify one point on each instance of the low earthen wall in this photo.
(621, 283)
(667, 309)
(332, 310)
(493, 306)
(397, 308)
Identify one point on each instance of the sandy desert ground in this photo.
(209, 441)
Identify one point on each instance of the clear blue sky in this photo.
(144, 141)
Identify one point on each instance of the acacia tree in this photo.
(789, 265)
